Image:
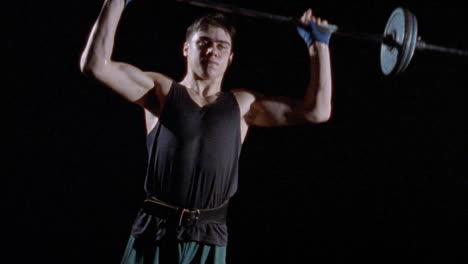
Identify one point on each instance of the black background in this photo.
(385, 180)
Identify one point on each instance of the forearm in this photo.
(98, 51)
(317, 100)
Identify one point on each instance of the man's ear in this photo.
(185, 49)
(230, 58)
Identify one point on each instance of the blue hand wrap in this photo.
(127, 2)
(312, 34)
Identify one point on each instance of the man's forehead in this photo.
(213, 33)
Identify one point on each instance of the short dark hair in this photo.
(211, 20)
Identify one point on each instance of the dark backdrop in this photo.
(383, 181)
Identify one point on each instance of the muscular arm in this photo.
(127, 80)
(315, 107)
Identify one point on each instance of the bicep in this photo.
(275, 111)
(126, 80)
(143, 88)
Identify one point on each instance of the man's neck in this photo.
(203, 88)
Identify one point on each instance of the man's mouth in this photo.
(210, 62)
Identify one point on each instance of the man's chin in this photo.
(211, 75)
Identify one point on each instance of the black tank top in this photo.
(193, 162)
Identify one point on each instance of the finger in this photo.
(306, 17)
(302, 19)
(309, 14)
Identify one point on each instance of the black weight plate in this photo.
(402, 27)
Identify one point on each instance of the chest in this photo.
(188, 120)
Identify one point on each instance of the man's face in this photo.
(208, 53)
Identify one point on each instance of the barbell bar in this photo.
(398, 42)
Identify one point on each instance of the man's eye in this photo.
(202, 43)
(223, 46)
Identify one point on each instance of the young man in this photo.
(195, 132)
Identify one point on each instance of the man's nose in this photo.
(212, 50)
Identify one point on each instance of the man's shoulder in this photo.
(246, 94)
(240, 92)
(161, 80)
(245, 98)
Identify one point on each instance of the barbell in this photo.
(398, 42)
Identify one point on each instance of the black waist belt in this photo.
(185, 216)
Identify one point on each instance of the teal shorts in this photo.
(142, 252)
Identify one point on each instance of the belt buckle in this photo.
(188, 217)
